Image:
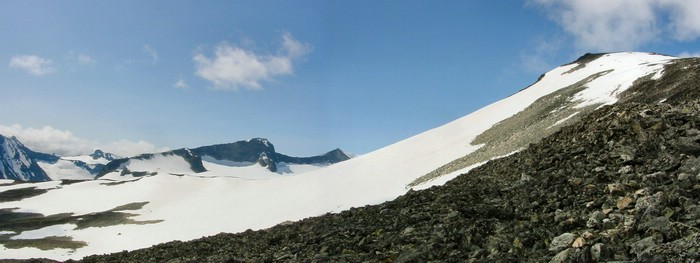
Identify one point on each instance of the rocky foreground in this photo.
(623, 184)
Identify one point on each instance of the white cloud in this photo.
(180, 84)
(151, 53)
(33, 64)
(294, 48)
(80, 59)
(233, 67)
(64, 143)
(684, 19)
(48, 139)
(612, 25)
(126, 148)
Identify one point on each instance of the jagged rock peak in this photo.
(101, 154)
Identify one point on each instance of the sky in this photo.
(131, 77)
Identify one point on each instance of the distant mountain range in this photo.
(22, 164)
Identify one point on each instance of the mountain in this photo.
(261, 151)
(220, 160)
(174, 162)
(17, 162)
(99, 155)
(521, 194)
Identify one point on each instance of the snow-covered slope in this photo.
(181, 207)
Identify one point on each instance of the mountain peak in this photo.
(101, 154)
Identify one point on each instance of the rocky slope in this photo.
(621, 184)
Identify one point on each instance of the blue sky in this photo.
(311, 76)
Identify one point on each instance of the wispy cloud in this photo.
(537, 58)
(233, 67)
(181, 84)
(48, 139)
(85, 59)
(33, 64)
(80, 59)
(604, 25)
(151, 52)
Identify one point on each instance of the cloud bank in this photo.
(232, 67)
(64, 143)
(33, 64)
(613, 25)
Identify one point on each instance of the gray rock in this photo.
(562, 242)
(600, 252)
(563, 256)
(595, 219)
(640, 246)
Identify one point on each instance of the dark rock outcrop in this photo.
(240, 151)
(101, 154)
(334, 156)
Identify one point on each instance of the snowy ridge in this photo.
(219, 200)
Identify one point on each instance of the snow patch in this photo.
(49, 231)
(625, 68)
(160, 163)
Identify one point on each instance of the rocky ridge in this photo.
(621, 184)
